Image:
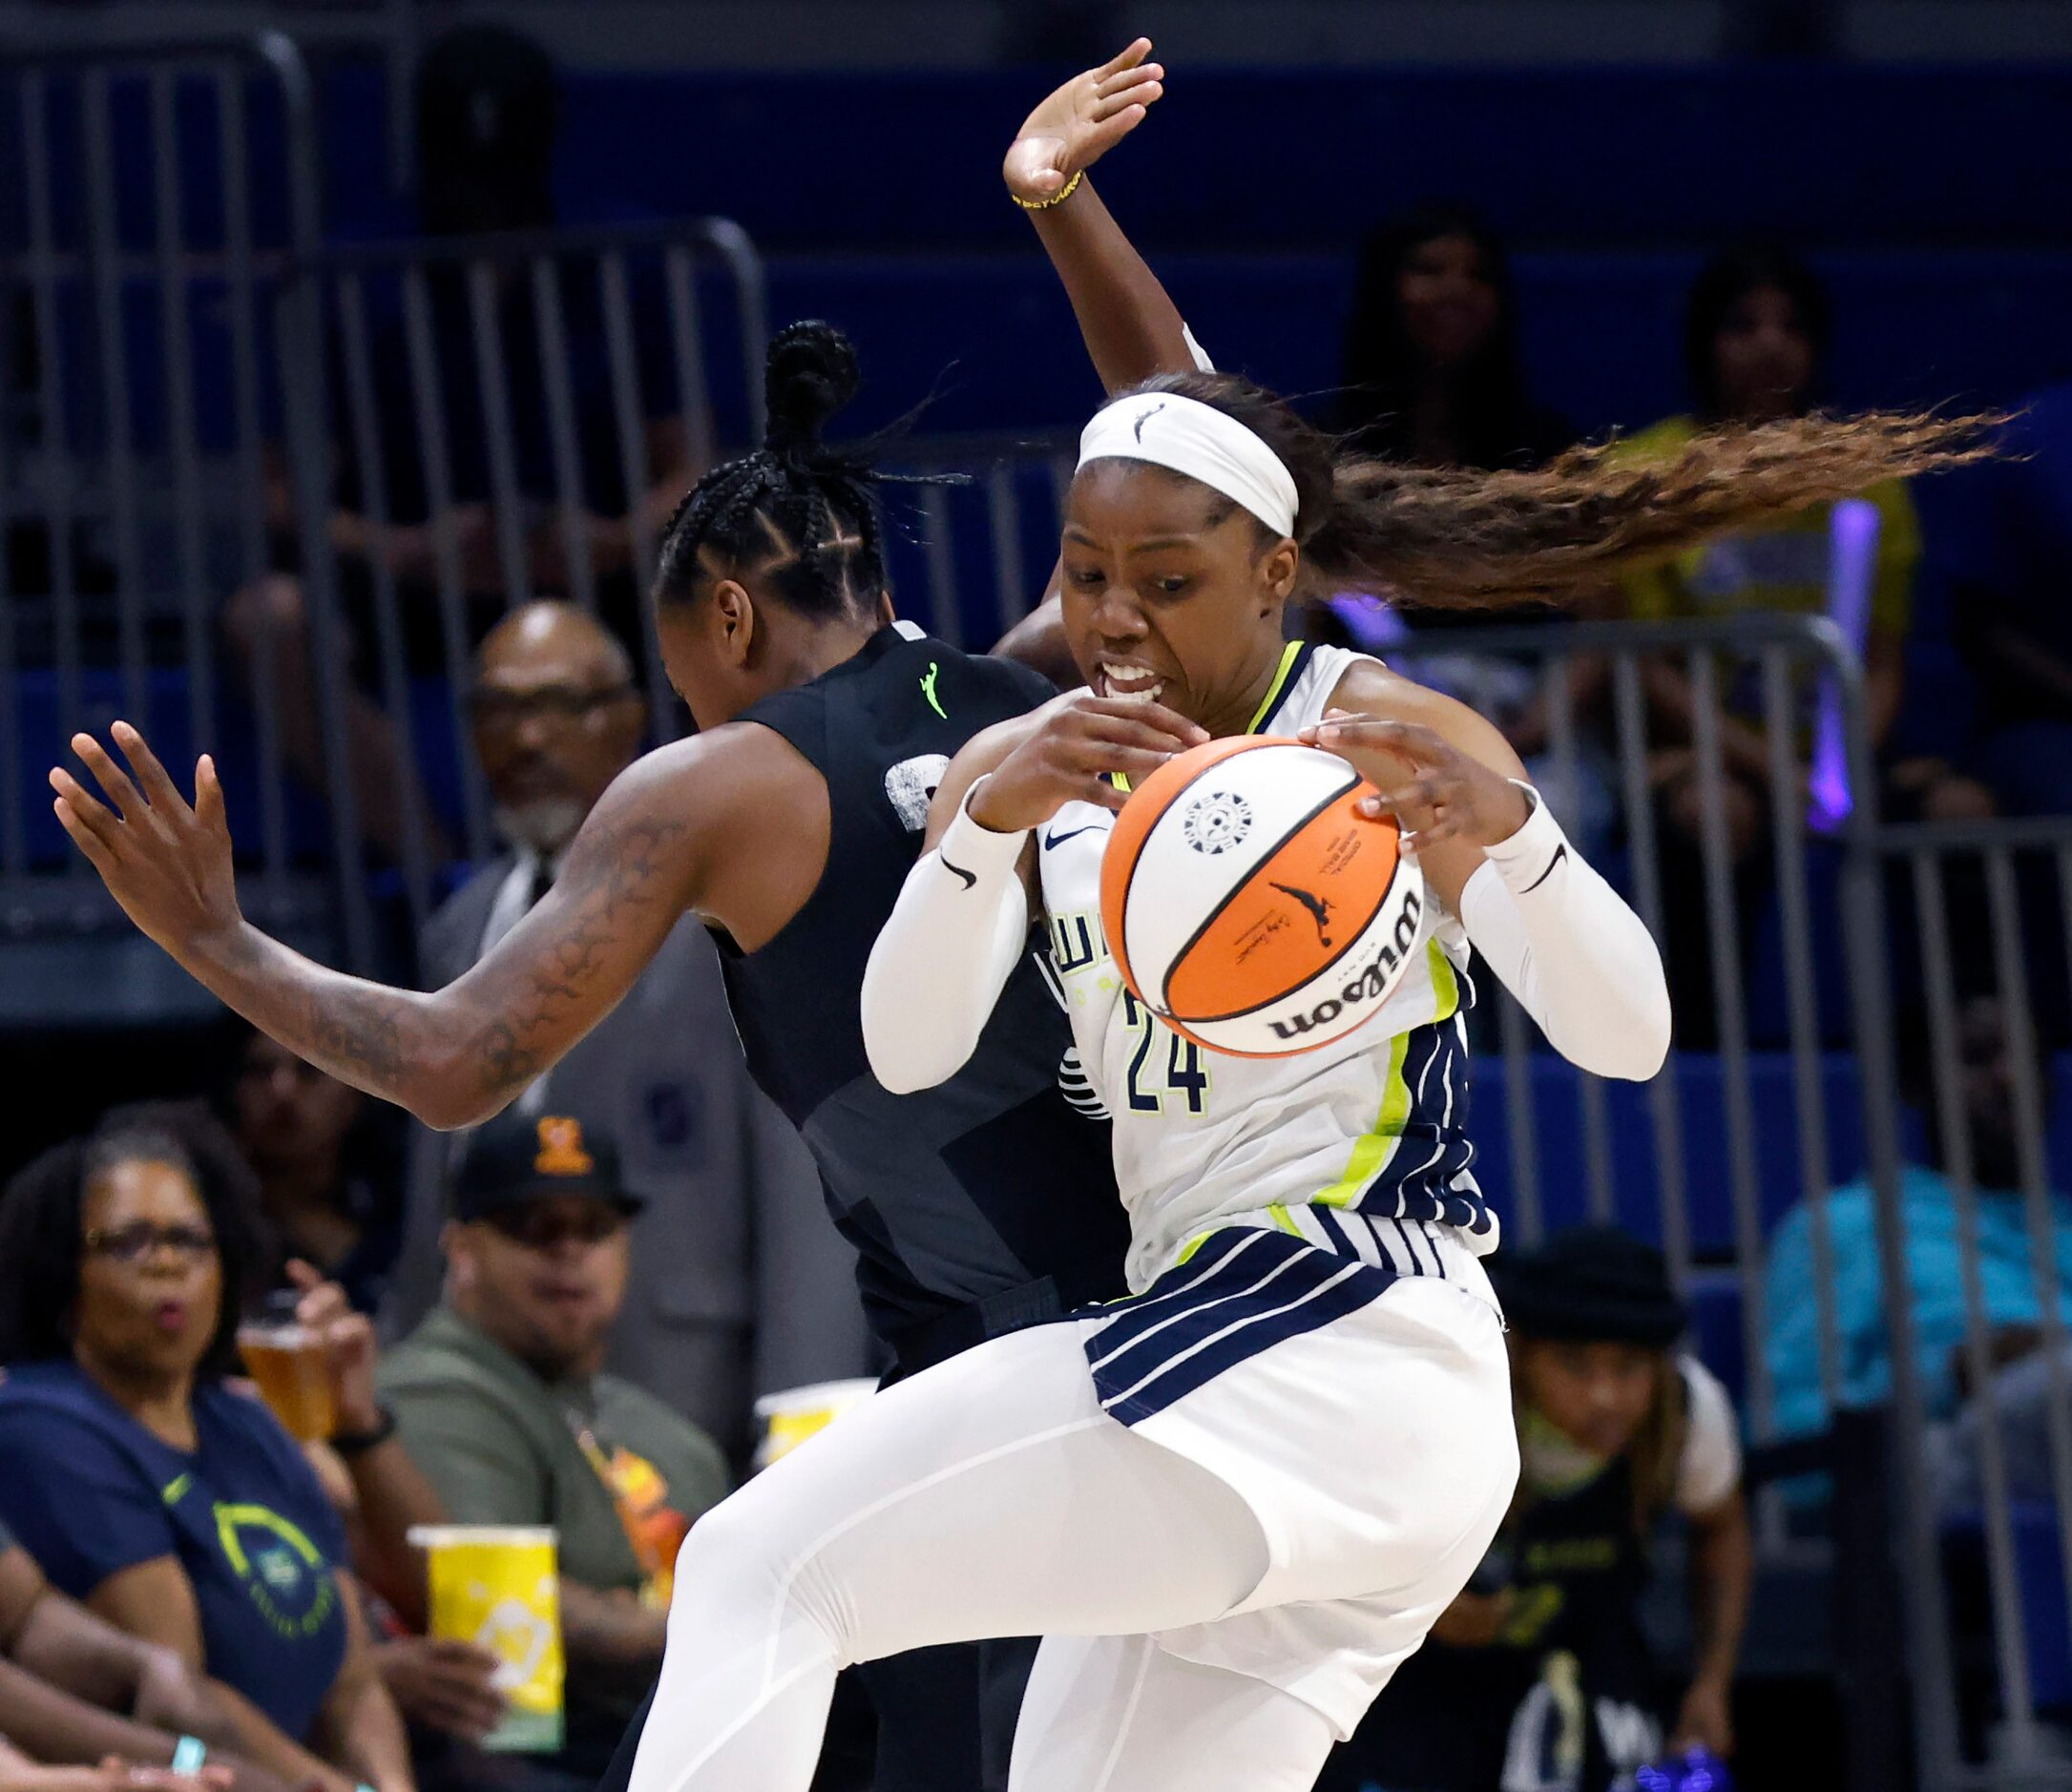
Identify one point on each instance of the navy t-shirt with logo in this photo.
(88, 1492)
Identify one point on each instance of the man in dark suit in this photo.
(739, 1281)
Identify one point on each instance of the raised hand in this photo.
(1080, 123)
(168, 863)
(1433, 790)
(1072, 744)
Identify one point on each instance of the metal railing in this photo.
(1986, 1487)
(1981, 1480)
(1782, 657)
(158, 194)
(188, 376)
(523, 378)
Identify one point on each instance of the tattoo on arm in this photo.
(616, 880)
(369, 1040)
(481, 1040)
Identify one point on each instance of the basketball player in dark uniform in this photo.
(789, 823)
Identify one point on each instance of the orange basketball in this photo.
(1249, 906)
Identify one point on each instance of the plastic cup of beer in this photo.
(498, 1587)
(286, 1360)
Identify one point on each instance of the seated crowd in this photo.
(1967, 688)
(181, 1564)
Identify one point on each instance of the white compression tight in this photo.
(989, 1497)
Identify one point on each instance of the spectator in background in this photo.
(739, 1281)
(487, 108)
(1434, 378)
(501, 1394)
(174, 1506)
(1541, 1675)
(1431, 369)
(1931, 1226)
(329, 1163)
(2007, 557)
(76, 1689)
(1756, 333)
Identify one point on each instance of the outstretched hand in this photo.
(1433, 790)
(1081, 122)
(166, 862)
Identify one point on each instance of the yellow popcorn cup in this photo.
(789, 1418)
(498, 1585)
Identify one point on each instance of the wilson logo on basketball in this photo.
(1216, 822)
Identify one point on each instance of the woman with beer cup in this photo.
(162, 1496)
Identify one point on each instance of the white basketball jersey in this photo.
(1375, 1120)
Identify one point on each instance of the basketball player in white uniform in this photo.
(1234, 1502)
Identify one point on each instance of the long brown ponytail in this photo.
(1463, 537)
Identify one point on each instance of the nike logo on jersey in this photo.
(1320, 911)
(1054, 838)
(928, 690)
(1560, 852)
(970, 878)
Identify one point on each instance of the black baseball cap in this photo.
(520, 1158)
(1590, 1283)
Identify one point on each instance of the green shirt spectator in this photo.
(500, 1397)
(503, 1445)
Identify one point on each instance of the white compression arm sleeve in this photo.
(1579, 961)
(955, 937)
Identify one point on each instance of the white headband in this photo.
(1189, 437)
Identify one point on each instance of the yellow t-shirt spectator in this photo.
(1781, 567)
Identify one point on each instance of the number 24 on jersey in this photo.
(1185, 1074)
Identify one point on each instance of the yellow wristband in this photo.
(1059, 197)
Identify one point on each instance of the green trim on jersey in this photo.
(1278, 689)
(1372, 1152)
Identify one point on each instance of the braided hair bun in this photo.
(811, 373)
(796, 515)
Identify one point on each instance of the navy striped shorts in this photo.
(1244, 1289)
